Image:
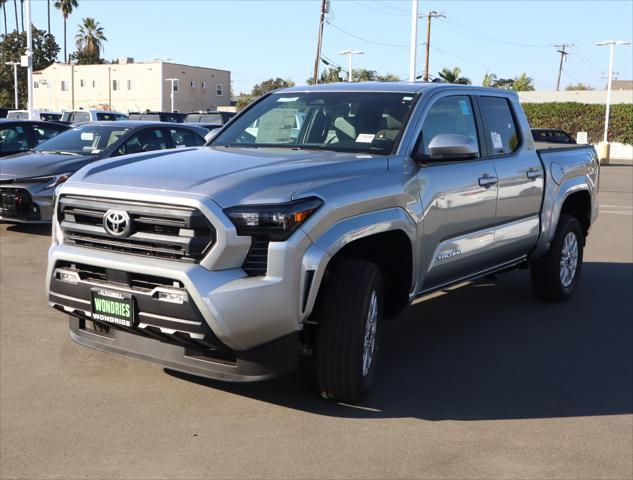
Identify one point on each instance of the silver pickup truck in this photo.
(312, 216)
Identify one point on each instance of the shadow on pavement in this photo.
(32, 228)
(492, 351)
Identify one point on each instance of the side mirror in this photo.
(450, 146)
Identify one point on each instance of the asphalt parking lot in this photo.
(486, 382)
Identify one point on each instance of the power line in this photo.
(365, 39)
(372, 7)
(468, 31)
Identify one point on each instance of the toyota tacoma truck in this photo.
(282, 238)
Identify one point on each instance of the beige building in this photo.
(131, 87)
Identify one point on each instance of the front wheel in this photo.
(349, 330)
(555, 276)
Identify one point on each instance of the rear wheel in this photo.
(348, 336)
(556, 274)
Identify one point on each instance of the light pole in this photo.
(15, 80)
(174, 81)
(29, 58)
(413, 51)
(350, 54)
(612, 44)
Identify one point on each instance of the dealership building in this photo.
(129, 86)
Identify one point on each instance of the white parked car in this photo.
(91, 115)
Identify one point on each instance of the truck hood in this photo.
(33, 164)
(229, 175)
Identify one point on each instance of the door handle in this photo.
(532, 174)
(487, 181)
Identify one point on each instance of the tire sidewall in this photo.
(570, 224)
(367, 380)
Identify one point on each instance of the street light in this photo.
(15, 80)
(173, 82)
(350, 54)
(611, 44)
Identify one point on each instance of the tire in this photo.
(352, 297)
(551, 280)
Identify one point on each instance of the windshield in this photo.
(368, 122)
(204, 118)
(110, 116)
(84, 140)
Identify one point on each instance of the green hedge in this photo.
(583, 117)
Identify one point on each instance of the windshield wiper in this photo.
(59, 152)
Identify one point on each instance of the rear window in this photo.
(499, 125)
(204, 118)
(110, 116)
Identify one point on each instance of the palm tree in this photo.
(363, 75)
(90, 37)
(523, 83)
(453, 76)
(489, 80)
(66, 7)
(388, 77)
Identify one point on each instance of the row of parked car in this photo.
(37, 155)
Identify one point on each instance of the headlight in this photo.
(274, 222)
(50, 180)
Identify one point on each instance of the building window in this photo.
(129, 84)
(116, 85)
(81, 82)
(36, 85)
(176, 85)
(219, 89)
(64, 86)
(203, 85)
(193, 84)
(94, 84)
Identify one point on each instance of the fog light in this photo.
(171, 297)
(68, 277)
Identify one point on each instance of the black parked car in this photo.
(22, 135)
(173, 117)
(216, 118)
(28, 180)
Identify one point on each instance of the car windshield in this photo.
(204, 118)
(361, 122)
(84, 140)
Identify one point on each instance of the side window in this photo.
(13, 139)
(182, 137)
(144, 141)
(44, 132)
(449, 115)
(499, 125)
(79, 117)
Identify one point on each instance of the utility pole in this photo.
(325, 8)
(173, 82)
(612, 44)
(15, 81)
(413, 49)
(563, 55)
(29, 59)
(429, 16)
(350, 54)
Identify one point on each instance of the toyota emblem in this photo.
(117, 223)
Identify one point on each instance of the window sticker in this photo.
(287, 99)
(365, 138)
(496, 140)
(87, 136)
(464, 106)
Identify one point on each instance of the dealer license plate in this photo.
(112, 307)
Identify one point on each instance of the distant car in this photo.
(172, 117)
(28, 180)
(22, 135)
(218, 118)
(92, 115)
(37, 115)
(551, 135)
(4, 112)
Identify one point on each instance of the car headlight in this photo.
(50, 180)
(273, 222)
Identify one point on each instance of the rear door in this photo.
(520, 175)
(459, 199)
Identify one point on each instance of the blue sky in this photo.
(259, 39)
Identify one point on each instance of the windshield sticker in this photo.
(275, 126)
(496, 140)
(96, 150)
(287, 99)
(87, 136)
(364, 156)
(407, 99)
(464, 106)
(365, 138)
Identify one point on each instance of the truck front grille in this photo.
(156, 230)
(17, 203)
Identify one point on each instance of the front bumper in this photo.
(26, 203)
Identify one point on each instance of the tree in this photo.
(269, 85)
(66, 7)
(522, 83)
(387, 77)
(504, 83)
(45, 51)
(489, 80)
(579, 86)
(89, 42)
(453, 76)
(331, 75)
(363, 75)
